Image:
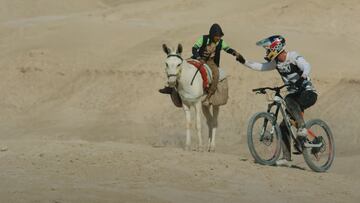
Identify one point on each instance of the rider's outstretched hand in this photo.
(240, 58)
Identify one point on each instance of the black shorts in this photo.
(305, 99)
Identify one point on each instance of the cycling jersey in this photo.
(291, 70)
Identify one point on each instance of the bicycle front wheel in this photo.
(319, 158)
(263, 136)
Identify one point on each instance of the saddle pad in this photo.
(222, 73)
(205, 72)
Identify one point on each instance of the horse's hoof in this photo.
(211, 149)
(200, 149)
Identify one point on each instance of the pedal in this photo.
(310, 145)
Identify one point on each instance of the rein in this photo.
(192, 81)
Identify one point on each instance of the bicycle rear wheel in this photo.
(319, 159)
(264, 138)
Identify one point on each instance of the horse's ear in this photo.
(179, 49)
(166, 49)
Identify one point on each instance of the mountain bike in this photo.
(264, 135)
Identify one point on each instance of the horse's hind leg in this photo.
(214, 127)
(188, 126)
(208, 116)
(198, 124)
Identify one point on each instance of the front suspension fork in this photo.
(266, 121)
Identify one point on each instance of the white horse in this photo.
(189, 84)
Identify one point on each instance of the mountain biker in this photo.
(294, 70)
(207, 49)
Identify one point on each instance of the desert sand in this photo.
(81, 119)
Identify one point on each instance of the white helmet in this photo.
(274, 45)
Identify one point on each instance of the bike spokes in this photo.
(311, 133)
(319, 148)
(263, 139)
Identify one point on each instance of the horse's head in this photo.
(173, 64)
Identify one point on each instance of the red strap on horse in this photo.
(201, 67)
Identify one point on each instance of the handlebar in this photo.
(262, 90)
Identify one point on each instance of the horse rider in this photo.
(207, 49)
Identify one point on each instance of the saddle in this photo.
(221, 96)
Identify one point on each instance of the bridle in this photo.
(177, 73)
(175, 55)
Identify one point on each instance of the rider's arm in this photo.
(196, 47)
(228, 49)
(261, 66)
(303, 65)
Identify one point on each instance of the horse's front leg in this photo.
(188, 126)
(214, 127)
(198, 124)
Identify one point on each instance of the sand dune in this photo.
(82, 120)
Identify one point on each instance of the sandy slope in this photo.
(80, 110)
(79, 171)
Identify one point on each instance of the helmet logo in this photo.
(276, 45)
(273, 45)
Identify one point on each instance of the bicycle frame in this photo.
(303, 144)
(280, 106)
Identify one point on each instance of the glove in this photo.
(299, 83)
(240, 58)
